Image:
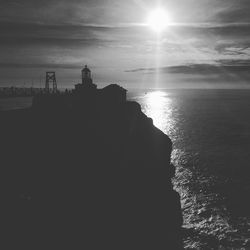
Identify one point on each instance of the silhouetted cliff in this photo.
(89, 175)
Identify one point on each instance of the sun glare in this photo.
(160, 108)
(158, 20)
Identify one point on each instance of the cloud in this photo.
(110, 34)
(37, 33)
(74, 11)
(39, 65)
(49, 41)
(29, 35)
(234, 11)
(213, 29)
(234, 49)
(222, 67)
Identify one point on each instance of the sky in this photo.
(206, 43)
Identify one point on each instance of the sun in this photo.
(158, 20)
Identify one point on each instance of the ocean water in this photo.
(210, 130)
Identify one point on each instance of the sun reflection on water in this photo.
(158, 105)
(206, 217)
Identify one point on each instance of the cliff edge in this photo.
(89, 175)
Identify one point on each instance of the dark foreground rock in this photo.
(83, 176)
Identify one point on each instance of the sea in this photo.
(210, 131)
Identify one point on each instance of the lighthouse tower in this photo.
(87, 84)
(86, 76)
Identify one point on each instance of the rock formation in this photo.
(83, 175)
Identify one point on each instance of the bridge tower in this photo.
(51, 78)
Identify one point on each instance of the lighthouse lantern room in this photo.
(86, 76)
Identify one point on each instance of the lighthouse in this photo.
(86, 76)
(89, 93)
(87, 83)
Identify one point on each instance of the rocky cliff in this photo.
(88, 176)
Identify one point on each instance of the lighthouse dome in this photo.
(86, 69)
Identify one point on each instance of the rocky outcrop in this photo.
(90, 176)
